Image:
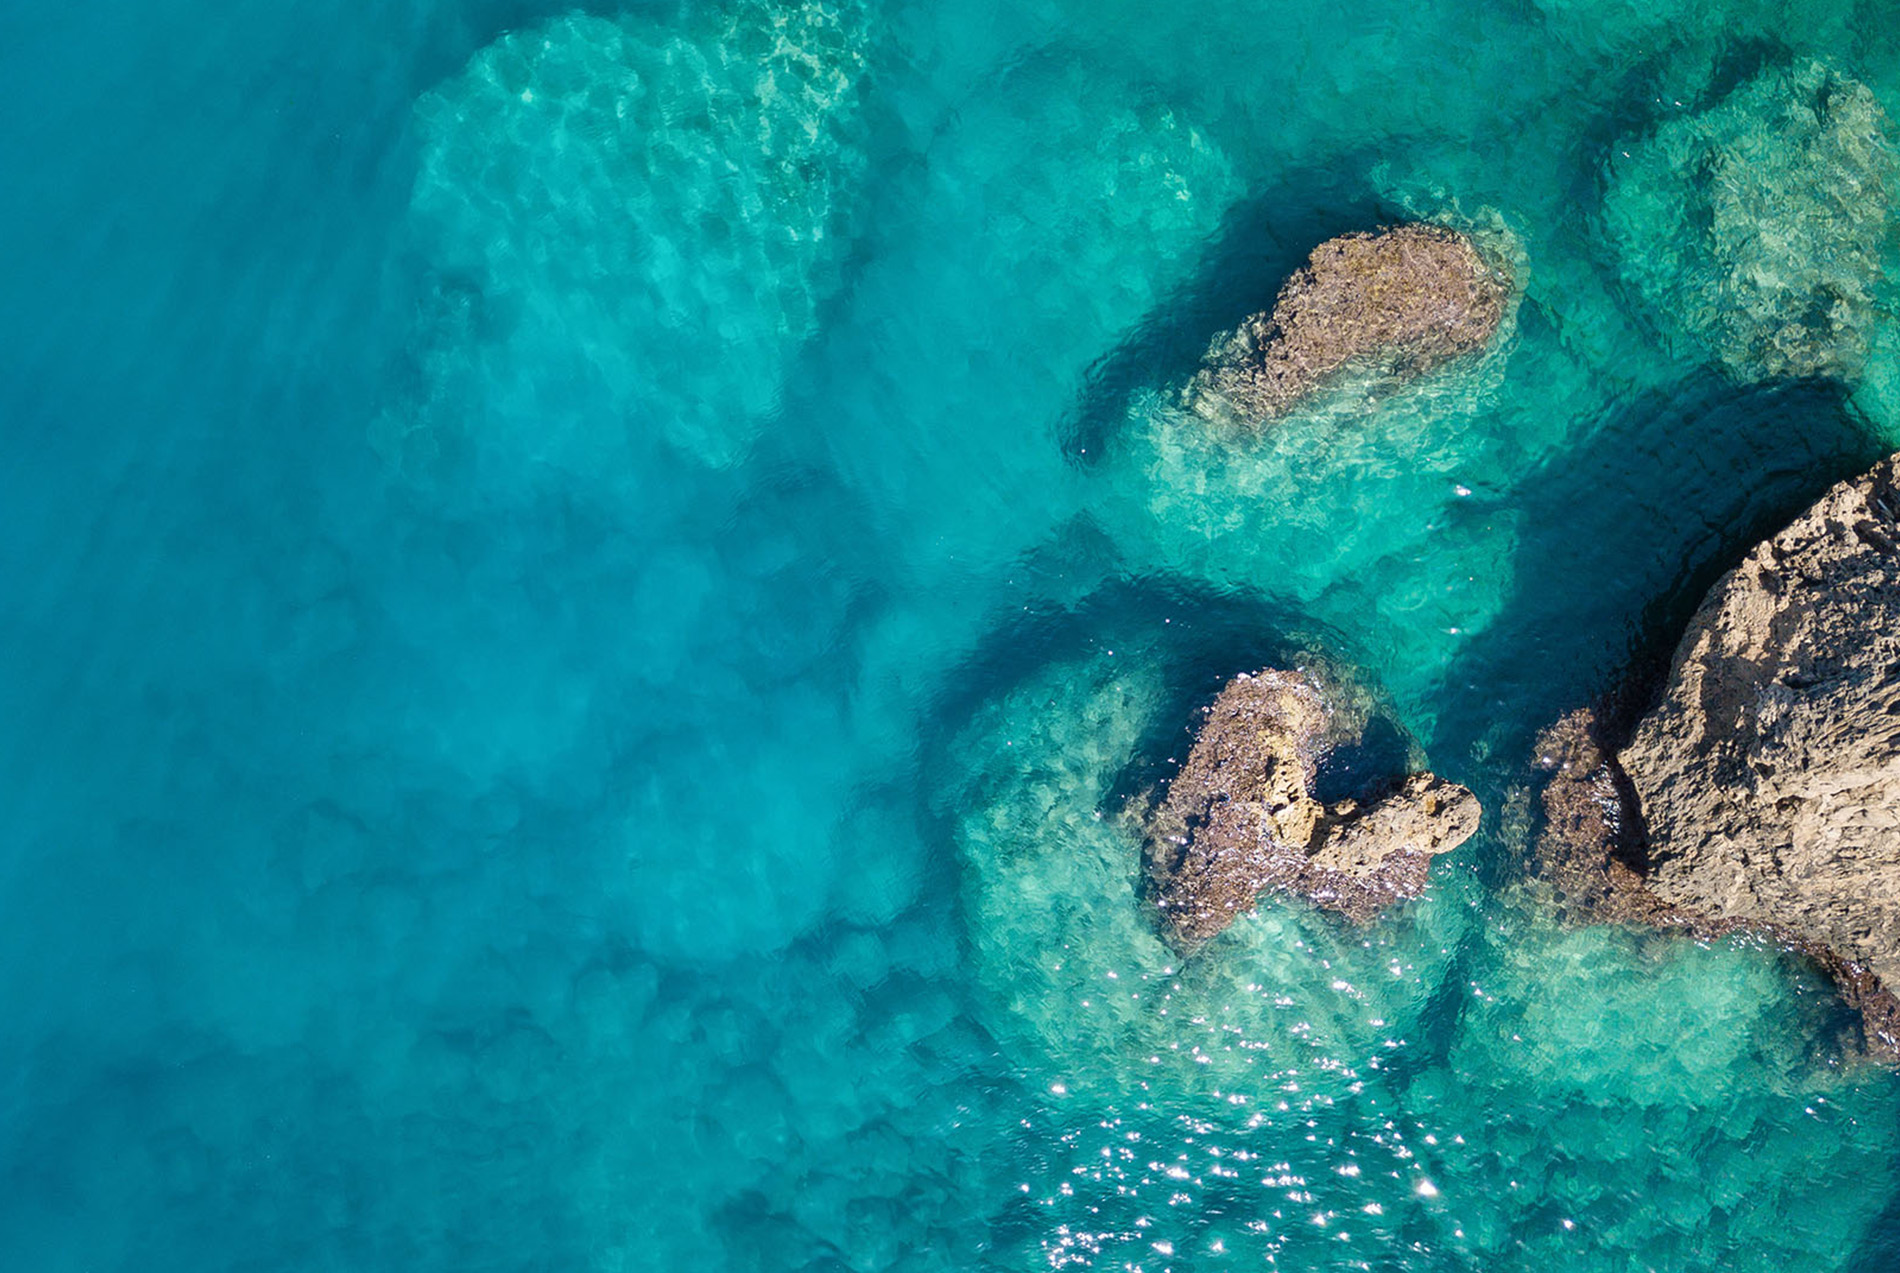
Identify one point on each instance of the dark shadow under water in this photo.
(1201, 637)
(1619, 539)
(1262, 241)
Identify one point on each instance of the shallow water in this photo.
(587, 589)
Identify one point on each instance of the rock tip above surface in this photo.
(1240, 818)
(1403, 299)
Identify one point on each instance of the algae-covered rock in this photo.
(1402, 301)
(650, 214)
(1240, 818)
(1754, 228)
(1074, 982)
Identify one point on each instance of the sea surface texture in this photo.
(586, 589)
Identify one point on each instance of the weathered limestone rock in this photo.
(1769, 776)
(1762, 793)
(1402, 300)
(1240, 818)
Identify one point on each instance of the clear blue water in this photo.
(583, 591)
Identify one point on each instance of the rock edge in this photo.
(1409, 297)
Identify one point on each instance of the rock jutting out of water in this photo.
(1240, 818)
(1753, 229)
(1762, 793)
(1402, 301)
(1076, 984)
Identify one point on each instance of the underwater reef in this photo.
(663, 204)
(863, 636)
(1754, 227)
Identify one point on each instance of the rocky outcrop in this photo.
(1769, 775)
(1762, 793)
(1240, 818)
(1402, 301)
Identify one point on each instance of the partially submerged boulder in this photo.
(1402, 301)
(1762, 793)
(1240, 818)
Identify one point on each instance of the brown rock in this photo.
(1762, 794)
(1769, 775)
(1405, 299)
(1240, 818)
(1588, 851)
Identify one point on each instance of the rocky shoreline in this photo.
(1761, 794)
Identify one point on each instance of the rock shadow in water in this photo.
(1619, 538)
(1263, 240)
(1201, 637)
(1881, 1251)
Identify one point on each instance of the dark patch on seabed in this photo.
(1200, 635)
(1880, 1253)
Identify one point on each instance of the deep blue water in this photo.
(584, 589)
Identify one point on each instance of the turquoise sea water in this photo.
(586, 587)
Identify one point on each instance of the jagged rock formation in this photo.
(1766, 783)
(1402, 301)
(1590, 850)
(1240, 818)
(1754, 227)
(1769, 776)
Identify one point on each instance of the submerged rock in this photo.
(1403, 300)
(1754, 228)
(1240, 818)
(632, 208)
(1766, 783)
